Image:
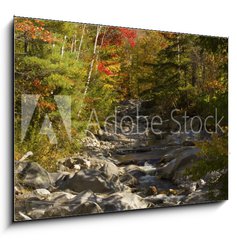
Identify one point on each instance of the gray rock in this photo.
(184, 158)
(128, 180)
(31, 174)
(83, 197)
(166, 158)
(165, 200)
(135, 171)
(110, 169)
(57, 211)
(60, 197)
(86, 180)
(37, 213)
(86, 208)
(124, 201)
(108, 137)
(42, 192)
(198, 196)
(73, 163)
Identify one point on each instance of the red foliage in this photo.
(115, 36)
(110, 37)
(36, 83)
(102, 68)
(129, 34)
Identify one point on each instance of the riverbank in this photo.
(115, 172)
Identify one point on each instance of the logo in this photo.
(28, 105)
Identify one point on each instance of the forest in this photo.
(103, 68)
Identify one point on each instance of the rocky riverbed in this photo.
(114, 172)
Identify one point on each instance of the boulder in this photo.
(31, 174)
(57, 211)
(166, 158)
(135, 171)
(86, 208)
(42, 192)
(110, 169)
(128, 180)
(82, 197)
(73, 163)
(86, 180)
(37, 213)
(108, 137)
(60, 197)
(121, 201)
(165, 200)
(183, 159)
(198, 196)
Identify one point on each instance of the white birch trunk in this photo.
(73, 43)
(63, 46)
(91, 68)
(80, 44)
(101, 44)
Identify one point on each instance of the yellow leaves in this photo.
(115, 68)
(108, 87)
(216, 85)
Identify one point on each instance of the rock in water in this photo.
(183, 159)
(128, 180)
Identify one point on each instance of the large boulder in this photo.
(200, 196)
(31, 174)
(121, 201)
(110, 170)
(134, 170)
(182, 159)
(86, 180)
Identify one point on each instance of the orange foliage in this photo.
(47, 105)
(34, 29)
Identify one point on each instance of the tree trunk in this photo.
(203, 67)
(25, 44)
(63, 46)
(91, 68)
(98, 51)
(194, 70)
(178, 49)
(73, 43)
(80, 44)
